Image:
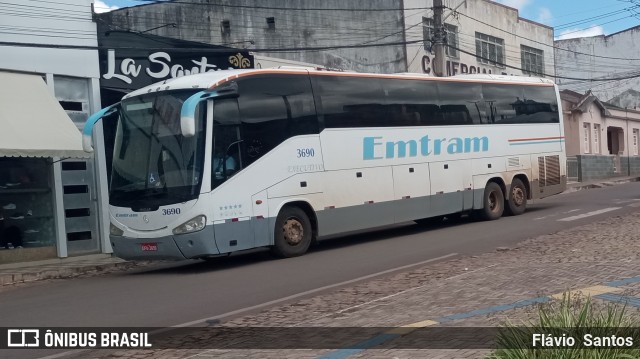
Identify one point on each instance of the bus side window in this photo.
(352, 102)
(226, 156)
(411, 102)
(461, 103)
(273, 109)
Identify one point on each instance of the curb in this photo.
(26, 276)
(607, 183)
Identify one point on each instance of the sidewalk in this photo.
(14, 273)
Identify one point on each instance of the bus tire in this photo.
(293, 233)
(517, 202)
(493, 202)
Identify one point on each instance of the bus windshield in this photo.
(153, 164)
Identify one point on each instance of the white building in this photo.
(601, 139)
(483, 37)
(602, 59)
(50, 202)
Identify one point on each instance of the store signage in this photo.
(133, 72)
(455, 68)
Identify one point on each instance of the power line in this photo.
(290, 49)
(276, 7)
(636, 74)
(542, 43)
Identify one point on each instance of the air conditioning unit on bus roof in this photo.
(503, 77)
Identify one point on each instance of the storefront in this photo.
(35, 133)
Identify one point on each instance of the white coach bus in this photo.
(219, 162)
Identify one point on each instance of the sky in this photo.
(569, 18)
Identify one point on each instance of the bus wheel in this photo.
(292, 233)
(517, 202)
(493, 202)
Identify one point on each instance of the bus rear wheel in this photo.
(517, 202)
(293, 233)
(493, 202)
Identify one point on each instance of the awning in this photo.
(32, 122)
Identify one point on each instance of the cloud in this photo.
(518, 4)
(544, 16)
(588, 32)
(100, 7)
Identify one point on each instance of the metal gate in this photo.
(80, 206)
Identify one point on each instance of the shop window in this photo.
(26, 209)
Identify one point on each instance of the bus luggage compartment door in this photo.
(234, 234)
(260, 220)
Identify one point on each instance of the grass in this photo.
(573, 316)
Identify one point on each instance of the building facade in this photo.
(482, 37)
(52, 199)
(332, 33)
(604, 65)
(601, 139)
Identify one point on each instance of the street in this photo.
(193, 292)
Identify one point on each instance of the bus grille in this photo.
(549, 170)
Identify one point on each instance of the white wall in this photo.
(68, 22)
(53, 25)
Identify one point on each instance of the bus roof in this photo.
(211, 79)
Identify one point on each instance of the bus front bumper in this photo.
(185, 246)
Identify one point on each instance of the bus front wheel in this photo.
(292, 233)
(517, 202)
(493, 202)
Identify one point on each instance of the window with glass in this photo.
(490, 50)
(273, 109)
(451, 36)
(587, 137)
(153, 163)
(596, 138)
(532, 60)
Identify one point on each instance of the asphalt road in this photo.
(193, 291)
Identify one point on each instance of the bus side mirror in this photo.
(188, 112)
(87, 131)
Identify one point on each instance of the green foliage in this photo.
(572, 317)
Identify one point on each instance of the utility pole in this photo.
(439, 40)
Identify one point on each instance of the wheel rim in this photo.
(493, 202)
(517, 196)
(293, 231)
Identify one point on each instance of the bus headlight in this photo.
(115, 231)
(193, 225)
